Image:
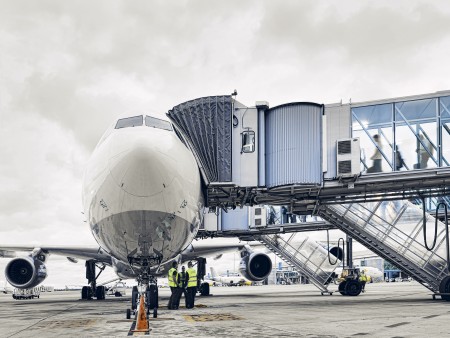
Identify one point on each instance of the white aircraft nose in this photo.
(141, 169)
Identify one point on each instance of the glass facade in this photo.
(403, 135)
(374, 127)
(416, 133)
(444, 114)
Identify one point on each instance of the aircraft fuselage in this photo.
(142, 196)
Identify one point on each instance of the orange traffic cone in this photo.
(142, 322)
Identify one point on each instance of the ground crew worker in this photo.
(173, 278)
(192, 285)
(183, 278)
(343, 276)
(363, 279)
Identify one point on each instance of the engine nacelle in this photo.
(25, 273)
(255, 266)
(337, 252)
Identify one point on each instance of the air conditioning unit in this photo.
(348, 157)
(257, 216)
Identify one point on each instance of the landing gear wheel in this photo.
(117, 294)
(86, 292)
(155, 312)
(204, 289)
(128, 313)
(353, 288)
(134, 297)
(152, 296)
(444, 287)
(100, 292)
(342, 288)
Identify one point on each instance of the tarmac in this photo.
(385, 310)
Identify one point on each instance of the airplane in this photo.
(232, 279)
(143, 199)
(5, 287)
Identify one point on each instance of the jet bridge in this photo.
(299, 154)
(313, 159)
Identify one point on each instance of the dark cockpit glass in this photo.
(157, 123)
(135, 121)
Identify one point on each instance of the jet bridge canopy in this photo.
(205, 124)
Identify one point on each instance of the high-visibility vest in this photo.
(172, 280)
(192, 277)
(363, 278)
(182, 279)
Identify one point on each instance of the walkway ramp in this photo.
(394, 231)
(308, 257)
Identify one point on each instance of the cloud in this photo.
(41, 176)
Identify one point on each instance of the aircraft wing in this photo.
(202, 249)
(83, 253)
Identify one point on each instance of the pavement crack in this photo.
(431, 316)
(398, 324)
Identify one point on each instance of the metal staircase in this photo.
(394, 231)
(305, 255)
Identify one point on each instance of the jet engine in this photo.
(255, 266)
(25, 273)
(337, 252)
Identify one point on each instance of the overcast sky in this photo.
(69, 68)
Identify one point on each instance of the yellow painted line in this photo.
(212, 317)
(189, 318)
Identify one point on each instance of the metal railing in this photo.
(308, 257)
(393, 230)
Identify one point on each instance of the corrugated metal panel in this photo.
(338, 127)
(293, 144)
(206, 123)
(235, 219)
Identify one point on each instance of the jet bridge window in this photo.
(248, 141)
(157, 123)
(135, 121)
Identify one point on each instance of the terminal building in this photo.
(370, 169)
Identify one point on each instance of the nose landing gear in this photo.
(150, 293)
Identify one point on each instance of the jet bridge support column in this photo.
(305, 255)
(394, 231)
(349, 251)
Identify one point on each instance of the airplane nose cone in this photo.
(140, 170)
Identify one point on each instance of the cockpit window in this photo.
(157, 123)
(135, 121)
